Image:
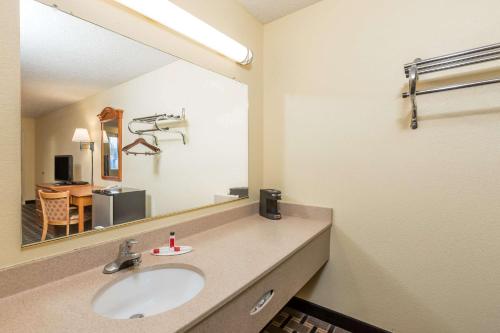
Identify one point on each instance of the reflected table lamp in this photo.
(82, 136)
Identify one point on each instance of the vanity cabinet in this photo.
(285, 281)
(277, 256)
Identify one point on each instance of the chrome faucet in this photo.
(125, 258)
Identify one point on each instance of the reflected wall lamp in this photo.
(181, 21)
(82, 136)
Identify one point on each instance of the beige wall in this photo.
(416, 240)
(28, 139)
(225, 15)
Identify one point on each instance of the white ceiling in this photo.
(65, 59)
(269, 10)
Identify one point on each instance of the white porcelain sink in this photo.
(148, 292)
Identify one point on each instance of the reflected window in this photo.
(113, 152)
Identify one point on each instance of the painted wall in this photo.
(415, 246)
(28, 156)
(214, 159)
(225, 15)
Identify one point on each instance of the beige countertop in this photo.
(232, 257)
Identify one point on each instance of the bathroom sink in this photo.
(148, 292)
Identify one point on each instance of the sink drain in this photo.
(136, 316)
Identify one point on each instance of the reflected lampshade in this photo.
(81, 135)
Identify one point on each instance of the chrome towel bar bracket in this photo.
(412, 87)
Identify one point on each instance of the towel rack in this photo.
(419, 67)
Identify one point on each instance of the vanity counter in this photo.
(232, 257)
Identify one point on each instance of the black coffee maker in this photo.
(269, 207)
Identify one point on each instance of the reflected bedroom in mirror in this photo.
(114, 131)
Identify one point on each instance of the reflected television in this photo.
(63, 168)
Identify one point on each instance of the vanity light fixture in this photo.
(176, 18)
(82, 136)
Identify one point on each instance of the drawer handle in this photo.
(262, 302)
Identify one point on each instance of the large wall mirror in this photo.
(114, 131)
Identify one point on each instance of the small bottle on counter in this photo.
(172, 241)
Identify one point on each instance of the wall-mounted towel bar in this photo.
(454, 60)
(453, 87)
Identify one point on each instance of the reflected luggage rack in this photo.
(156, 126)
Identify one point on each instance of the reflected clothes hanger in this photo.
(154, 150)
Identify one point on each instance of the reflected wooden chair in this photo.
(56, 211)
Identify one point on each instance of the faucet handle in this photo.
(131, 242)
(126, 246)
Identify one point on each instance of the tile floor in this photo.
(293, 321)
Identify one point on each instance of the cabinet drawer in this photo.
(285, 281)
